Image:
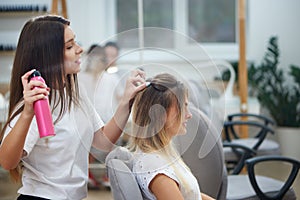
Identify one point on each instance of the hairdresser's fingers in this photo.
(137, 80)
(133, 85)
(28, 102)
(32, 91)
(27, 93)
(33, 95)
(30, 96)
(36, 84)
(33, 83)
(37, 91)
(25, 77)
(138, 72)
(140, 87)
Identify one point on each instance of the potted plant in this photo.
(279, 94)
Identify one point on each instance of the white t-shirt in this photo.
(57, 168)
(147, 165)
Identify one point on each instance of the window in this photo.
(156, 13)
(212, 23)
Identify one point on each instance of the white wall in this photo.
(269, 17)
(88, 20)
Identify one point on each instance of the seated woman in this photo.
(160, 112)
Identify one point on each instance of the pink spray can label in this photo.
(42, 112)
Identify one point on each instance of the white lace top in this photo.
(147, 165)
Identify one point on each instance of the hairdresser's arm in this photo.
(109, 134)
(11, 149)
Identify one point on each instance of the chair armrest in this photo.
(293, 174)
(229, 128)
(243, 152)
(264, 118)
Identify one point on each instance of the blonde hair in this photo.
(150, 109)
(149, 113)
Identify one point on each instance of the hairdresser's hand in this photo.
(114, 128)
(30, 95)
(135, 83)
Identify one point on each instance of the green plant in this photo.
(278, 93)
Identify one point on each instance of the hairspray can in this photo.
(42, 111)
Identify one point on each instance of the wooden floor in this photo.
(102, 194)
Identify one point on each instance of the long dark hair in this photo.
(41, 47)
